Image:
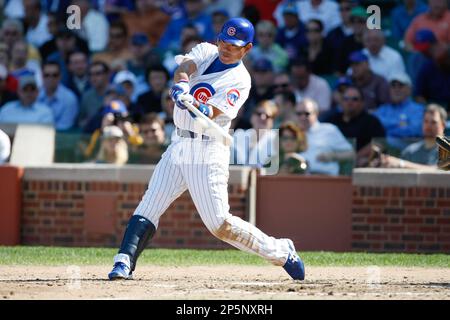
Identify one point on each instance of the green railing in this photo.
(70, 147)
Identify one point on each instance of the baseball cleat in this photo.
(294, 265)
(120, 271)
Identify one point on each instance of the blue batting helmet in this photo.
(237, 31)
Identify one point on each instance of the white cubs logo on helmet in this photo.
(233, 96)
(231, 31)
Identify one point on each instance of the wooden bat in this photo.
(207, 123)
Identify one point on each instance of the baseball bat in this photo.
(206, 122)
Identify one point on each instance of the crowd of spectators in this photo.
(337, 90)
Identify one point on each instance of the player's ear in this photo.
(248, 47)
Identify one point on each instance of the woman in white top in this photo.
(256, 146)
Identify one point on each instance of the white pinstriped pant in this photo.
(202, 168)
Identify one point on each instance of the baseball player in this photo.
(213, 79)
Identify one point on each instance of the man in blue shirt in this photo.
(59, 98)
(423, 154)
(292, 37)
(194, 14)
(403, 14)
(92, 99)
(402, 118)
(78, 78)
(66, 42)
(27, 109)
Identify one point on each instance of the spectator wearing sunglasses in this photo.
(262, 89)
(59, 98)
(27, 109)
(256, 146)
(317, 53)
(402, 118)
(309, 85)
(117, 48)
(150, 100)
(342, 83)
(292, 142)
(92, 99)
(336, 36)
(327, 146)
(353, 42)
(267, 48)
(282, 83)
(356, 123)
(152, 131)
(374, 87)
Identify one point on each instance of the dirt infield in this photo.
(224, 282)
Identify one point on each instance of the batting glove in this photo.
(182, 99)
(181, 87)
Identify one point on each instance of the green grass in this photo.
(173, 257)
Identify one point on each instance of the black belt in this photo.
(189, 134)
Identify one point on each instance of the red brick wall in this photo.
(414, 219)
(383, 219)
(313, 211)
(96, 213)
(10, 202)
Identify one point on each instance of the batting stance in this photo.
(213, 79)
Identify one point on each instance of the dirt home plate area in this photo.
(224, 282)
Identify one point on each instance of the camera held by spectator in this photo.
(116, 113)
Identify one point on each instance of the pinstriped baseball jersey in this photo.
(201, 166)
(225, 89)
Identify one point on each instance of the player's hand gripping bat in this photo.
(208, 124)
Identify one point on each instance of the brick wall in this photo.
(401, 211)
(95, 213)
(410, 218)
